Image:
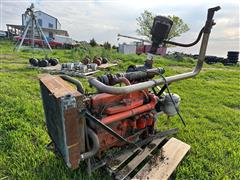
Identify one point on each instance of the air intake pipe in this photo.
(152, 83)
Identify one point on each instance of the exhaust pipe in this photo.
(152, 83)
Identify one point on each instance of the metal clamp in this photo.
(68, 101)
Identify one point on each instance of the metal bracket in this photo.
(68, 101)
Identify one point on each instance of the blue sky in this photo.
(103, 20)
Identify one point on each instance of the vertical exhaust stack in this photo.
(160, 30)
(152, 83)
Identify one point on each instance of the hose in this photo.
(79, 85)
(95, 145)
(187, 45)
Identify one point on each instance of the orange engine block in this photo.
(125, 114)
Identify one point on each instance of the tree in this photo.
(93, 42)
(114, 47)
(145, 22)
(107, 45)
(178, 27)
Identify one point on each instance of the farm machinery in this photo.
(115, 127)
(142, 48)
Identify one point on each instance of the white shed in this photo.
(127, 48)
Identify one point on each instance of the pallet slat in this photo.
(171, 155)
(133, 164)
(119, 161)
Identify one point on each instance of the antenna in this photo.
(32, 21)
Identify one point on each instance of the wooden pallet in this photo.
(171, 154)
(158, 160)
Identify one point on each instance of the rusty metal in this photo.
(119, 159)
(65, 126)
(97, 61)
(108, 129)
(86, 60)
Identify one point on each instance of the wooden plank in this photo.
(163, 166)
(108, 65)
(114, 164)
(90, 73)
(133, 164)
(57, 86)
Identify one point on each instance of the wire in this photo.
(166, 84)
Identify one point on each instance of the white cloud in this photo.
(103, 20)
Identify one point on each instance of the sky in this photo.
(103, 20)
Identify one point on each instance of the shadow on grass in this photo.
(46, 170)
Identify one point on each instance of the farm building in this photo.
(139, 48)
(127, 48)
(50, 25)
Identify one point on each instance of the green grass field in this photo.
(210, 105)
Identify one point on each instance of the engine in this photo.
(131, 116)
(125, 114)
(123, 111)
(109, 119)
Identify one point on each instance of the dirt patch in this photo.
(180, 68)
(14, 62)
(5, 70)
(203, 69)
(220, 69)
(7, 56)
(233, 107)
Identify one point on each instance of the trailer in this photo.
(67, 42)
(142, 48)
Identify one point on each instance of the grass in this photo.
(209, 104)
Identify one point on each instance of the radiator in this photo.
(62, 105)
